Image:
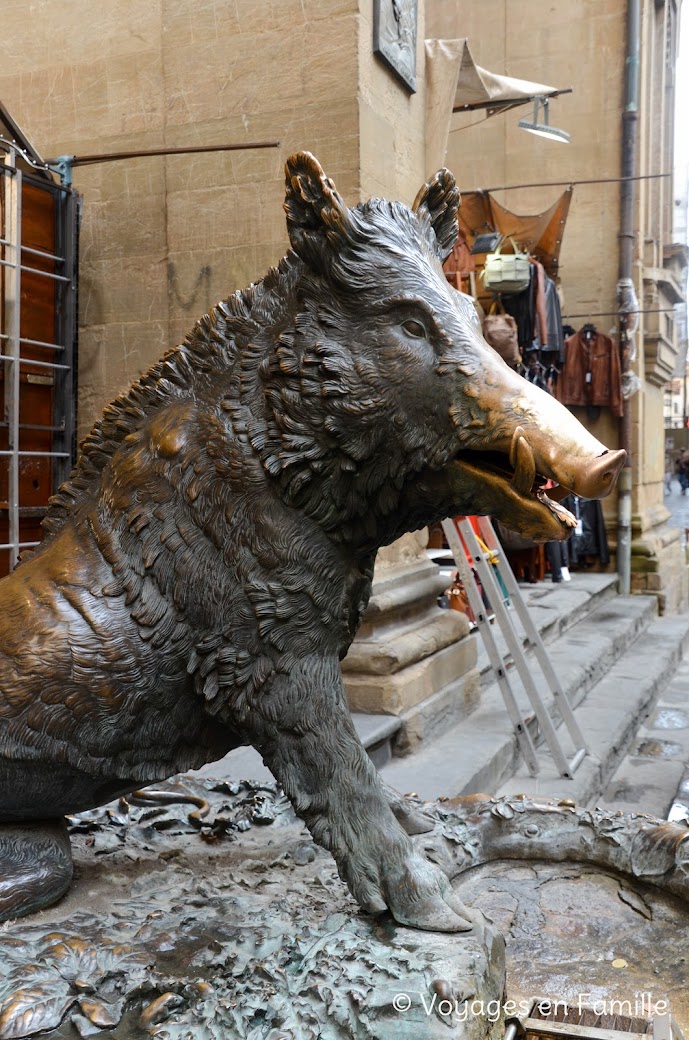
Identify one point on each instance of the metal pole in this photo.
(499, 106)
(12, 234)
(626, 259)
(566, 184)
(63, 165)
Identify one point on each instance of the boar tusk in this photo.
(519, 432)
(563, 515)
(522, 461)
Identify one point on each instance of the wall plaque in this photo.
(394, 37)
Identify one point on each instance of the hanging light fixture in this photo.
(543, 129)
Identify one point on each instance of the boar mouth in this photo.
(515, 493)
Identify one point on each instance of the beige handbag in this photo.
(506, 272)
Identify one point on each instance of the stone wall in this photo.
(164, 238)
(391, 119)
(660, 274)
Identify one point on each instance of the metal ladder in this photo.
(505, 601)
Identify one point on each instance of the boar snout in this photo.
(518, 439)
(597, 479)
(587, 475)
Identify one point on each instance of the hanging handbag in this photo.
(506, 272)
(458, 599)
(500, 331)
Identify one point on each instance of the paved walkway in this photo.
(678, 504)
(654, 776)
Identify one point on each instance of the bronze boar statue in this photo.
(208, 562)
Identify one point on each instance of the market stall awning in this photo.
(538, 233)
(455, 83)
(479, 88)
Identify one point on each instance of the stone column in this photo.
(657, 564)
(411, 658)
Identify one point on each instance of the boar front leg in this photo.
(304, 731)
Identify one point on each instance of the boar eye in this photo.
(414, 328)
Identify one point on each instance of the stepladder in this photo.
(520, 658)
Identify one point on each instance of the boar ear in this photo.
(315, 210)
(439, 198)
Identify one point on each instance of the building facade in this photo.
(166, 236)
(586, 49)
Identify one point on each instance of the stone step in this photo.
(376, 733)
(677, 695)
(244, 763)
(612, 716)
(554, 608)
(653, 777)
(480, 753)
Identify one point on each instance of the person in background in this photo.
(683, 470)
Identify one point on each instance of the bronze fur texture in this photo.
(209, 561)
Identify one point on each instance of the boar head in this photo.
(405, 414)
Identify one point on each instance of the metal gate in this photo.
(38, 324)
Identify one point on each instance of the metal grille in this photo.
(24, 359)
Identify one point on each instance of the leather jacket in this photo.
(591, 374)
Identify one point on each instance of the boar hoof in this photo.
(422, 897)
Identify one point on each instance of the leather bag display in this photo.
(500, 331)
(506, 272)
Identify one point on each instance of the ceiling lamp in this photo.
(543, 129)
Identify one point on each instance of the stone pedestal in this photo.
(411, 658)
(658, 566)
